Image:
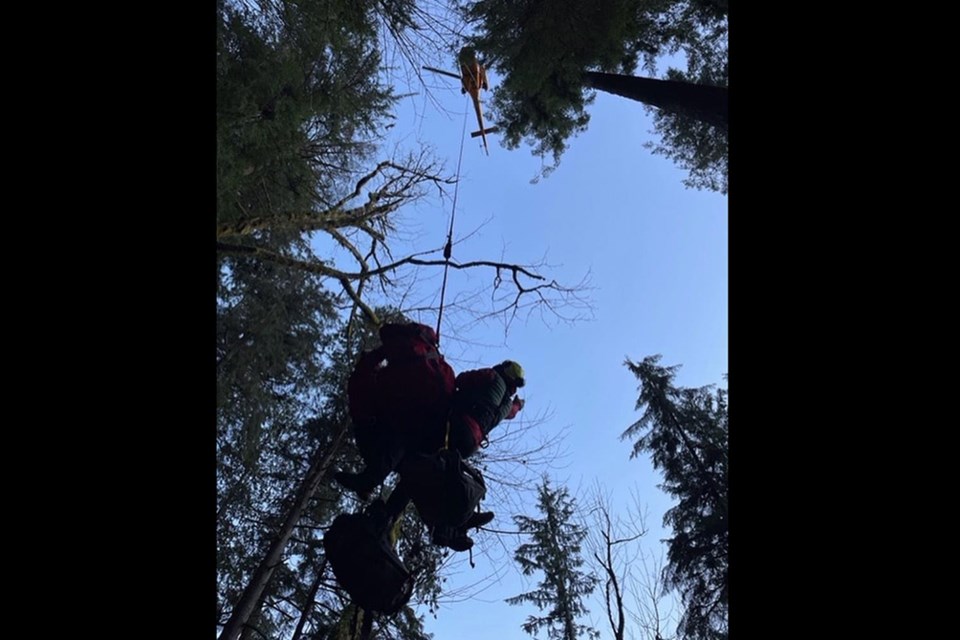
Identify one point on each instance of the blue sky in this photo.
(656, 253)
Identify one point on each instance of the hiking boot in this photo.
(477, 520)
(354, 482)
(455, 539)
(459, 542)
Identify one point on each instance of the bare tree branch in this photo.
(567, 295)
(615, 552)
(400, 184)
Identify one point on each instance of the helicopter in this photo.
(472, 77)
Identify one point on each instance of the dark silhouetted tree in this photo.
(685, 432)
(551, 53)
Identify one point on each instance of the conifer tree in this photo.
(552, 54)
(685, 432)
(554, 552)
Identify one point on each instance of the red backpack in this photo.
(416, 386)
(412, 390)
(362, 389)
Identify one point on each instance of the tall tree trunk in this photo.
(700, 101)
(308, 605)
(612, 581)
(252, 596)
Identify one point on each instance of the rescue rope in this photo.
(448, 248)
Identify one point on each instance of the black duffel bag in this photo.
(444, 488)
(364, 562)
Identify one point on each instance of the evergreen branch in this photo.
(252, 594)
(312, 267)
(705, 476)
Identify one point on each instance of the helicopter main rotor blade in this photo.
(446, 73)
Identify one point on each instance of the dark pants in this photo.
(382, 448)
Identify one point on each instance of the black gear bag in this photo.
(443, 487)
(364, 562)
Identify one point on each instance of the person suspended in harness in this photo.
(482, 400)
(385, 400)
(398, 394)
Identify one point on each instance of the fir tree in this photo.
(685, 432)
(554, 551)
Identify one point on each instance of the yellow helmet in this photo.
(512, 372)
